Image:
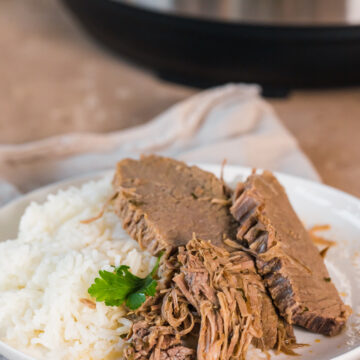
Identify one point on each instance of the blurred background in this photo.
(104, 65)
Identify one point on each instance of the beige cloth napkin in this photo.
(231, 122)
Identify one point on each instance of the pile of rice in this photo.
(46, 271)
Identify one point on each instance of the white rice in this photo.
(49, 267)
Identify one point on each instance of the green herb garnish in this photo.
(121, 286)
(327, 279)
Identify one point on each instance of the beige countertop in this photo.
(55, 79)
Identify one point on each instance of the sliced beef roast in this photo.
(291, 266)
(162, 203)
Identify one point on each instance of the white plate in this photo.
(316, 204)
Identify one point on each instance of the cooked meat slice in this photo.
(162, 202)
(290, 264)
(231, 299)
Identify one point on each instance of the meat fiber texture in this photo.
(286, 257)
(162, 203)
(165, 324)
(231, 300)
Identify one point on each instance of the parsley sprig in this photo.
(121, 286)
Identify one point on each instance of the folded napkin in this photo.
(229, 122)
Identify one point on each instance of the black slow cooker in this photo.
(280, 44)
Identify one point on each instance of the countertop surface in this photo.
(56, 79)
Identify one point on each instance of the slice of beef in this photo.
(292, 268)
(162, 202)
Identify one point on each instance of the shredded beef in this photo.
(164, 323)
(230, 297)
